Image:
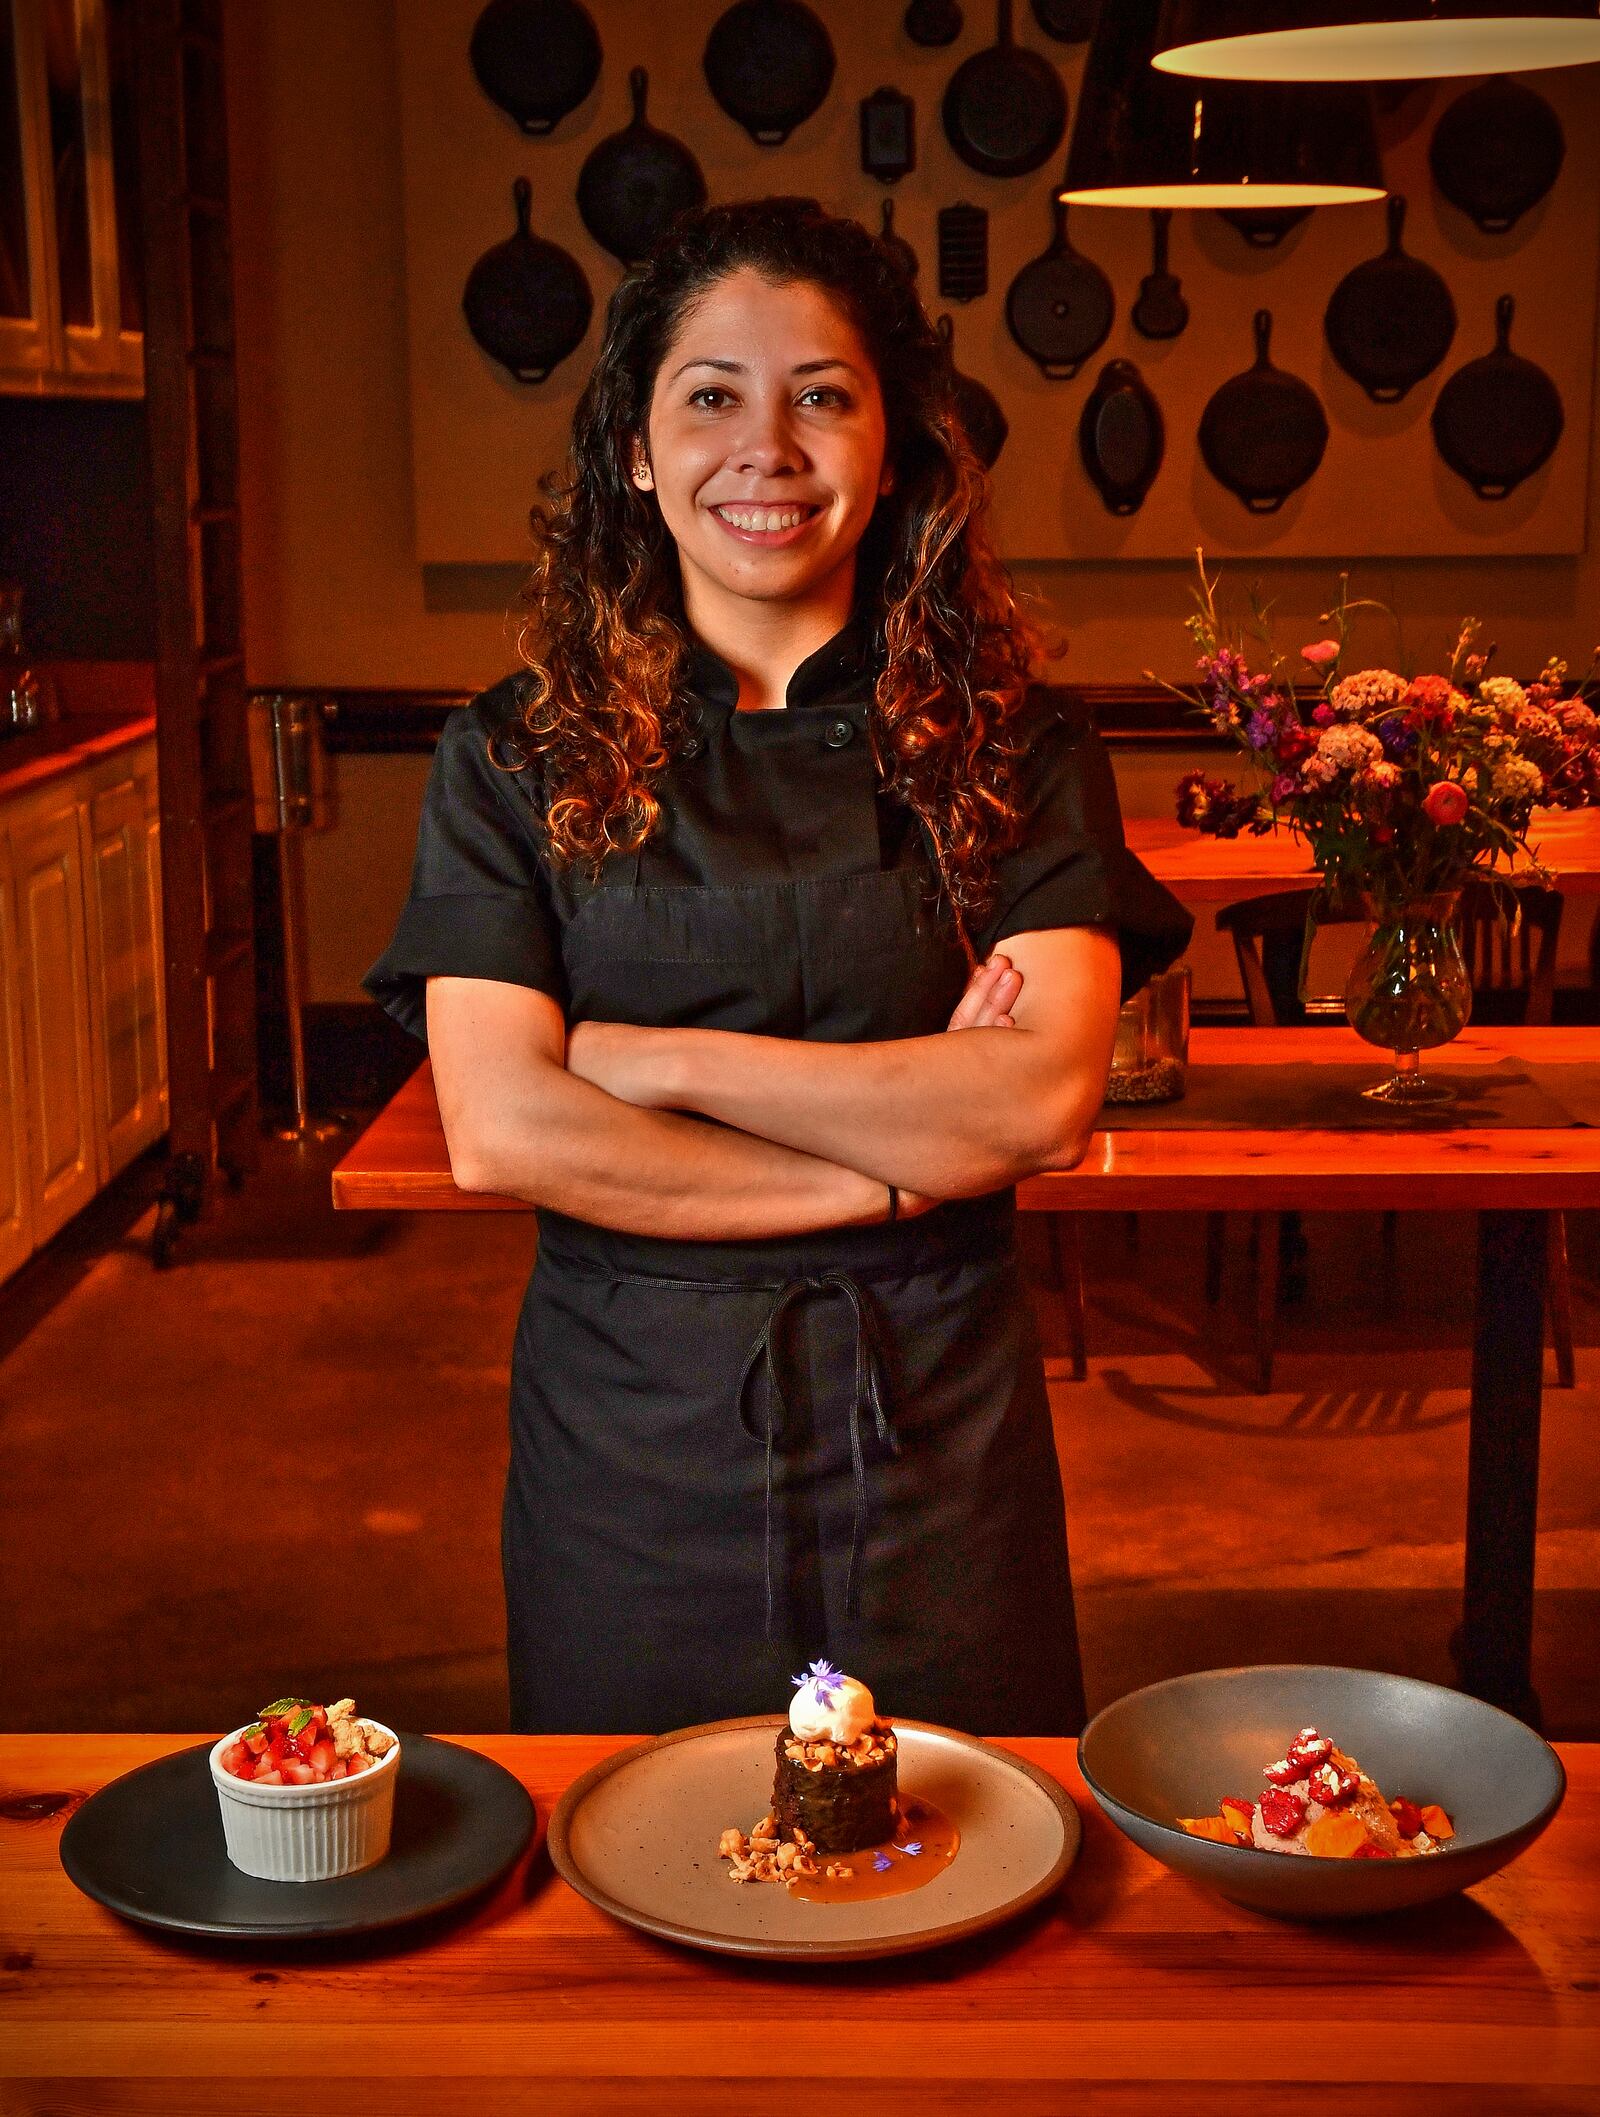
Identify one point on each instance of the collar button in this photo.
(837, 733)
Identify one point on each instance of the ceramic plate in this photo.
(638, 1835)
(149, 1847)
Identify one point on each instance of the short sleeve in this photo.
(1072, 866)
(480, 903)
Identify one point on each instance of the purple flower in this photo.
(1260, 730)
(882, 1862)
(912, 1847)
(1399, 740)
(824, 1676)
(1285, 786)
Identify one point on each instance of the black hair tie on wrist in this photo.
(894, 1203)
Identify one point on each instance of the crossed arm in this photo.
(607, 1123)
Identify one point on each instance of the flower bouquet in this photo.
(1402, 787)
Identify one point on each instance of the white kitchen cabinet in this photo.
(83, 1085)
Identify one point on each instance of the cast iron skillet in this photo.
(1068, 21)
(1496, 151)
(1263, 433)
(1005, 110)
(931, 22)
(1059, 307)
(1160, 311)
(896, 245)
(636, 183)
(1122, 437)
(1498, 418)
(537, 59)
(1391, 320)
(527, 302)
(769, 63)
(986, 425)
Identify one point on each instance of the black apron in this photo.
(731, 1457)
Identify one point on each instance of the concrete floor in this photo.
(277, 1465)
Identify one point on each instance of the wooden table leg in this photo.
(1503, 1462)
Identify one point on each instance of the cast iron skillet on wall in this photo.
(635, 183)
(1497, 151)
(1005, 110)
(537, 59)
(1160, 311)
(1264, 227)
(1498, 419)
(1122, 437)
(527, 302)
(769, 63)
(1390, 321)
(932, 22)
(986, 425)
(1060, 306)
(1264, 432)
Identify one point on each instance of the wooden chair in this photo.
(1513, 979)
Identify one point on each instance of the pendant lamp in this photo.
(1373, 40)
(1144, 138)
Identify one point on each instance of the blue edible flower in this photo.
(882, 1862)
(824, 1677)
(913, 1848)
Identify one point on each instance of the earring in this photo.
(641, 475)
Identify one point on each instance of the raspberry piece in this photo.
(1283, 1773)
(1333, 1787)
(1407, 1817)
(1371, 1851)
(1282, 1813)
(1309, 1749)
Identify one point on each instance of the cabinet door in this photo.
(16, 1211)
(28, 327)
(47, 865)
(125, 1015)
(152, 873)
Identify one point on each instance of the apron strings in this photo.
(869, 1395)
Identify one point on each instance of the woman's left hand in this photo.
(623, 1059)
(992, 991)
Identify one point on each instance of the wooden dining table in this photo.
(1129, 1991)
(1511, 1179)
(1210, 871)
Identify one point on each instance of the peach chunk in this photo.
(1213, 1827)
(1336, 1835)
(1436, 1823)
(1238, 1815)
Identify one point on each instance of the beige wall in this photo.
(333, 594)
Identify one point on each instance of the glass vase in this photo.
(1410, 992)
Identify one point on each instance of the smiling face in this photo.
(766, 444)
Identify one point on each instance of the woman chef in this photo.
(703, 937)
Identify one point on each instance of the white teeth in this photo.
(764, 519)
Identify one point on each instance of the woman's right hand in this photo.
(991, 993)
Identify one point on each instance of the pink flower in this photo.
(1323, 715)
(1284, 786)
(1445, 803)
(1320, 653)
(1432, 699)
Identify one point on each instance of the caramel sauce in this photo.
(920, 1824)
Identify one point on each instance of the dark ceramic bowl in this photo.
(1174, 1749)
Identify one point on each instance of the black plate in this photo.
(149, 1847)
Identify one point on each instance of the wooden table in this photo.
(1512, 1180)
(1130, 1991)
(1204, 870)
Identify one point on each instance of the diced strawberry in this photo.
(1283, 1773)
(269, 1777)
(356, 1764)
(235, 1753)
(255, 1739)
(297, 1774)
(1371, 1850)
(323, 1756)
(1407, 1817)
(1282, 1813)
(340, 1769)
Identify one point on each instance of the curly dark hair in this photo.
(604, 637)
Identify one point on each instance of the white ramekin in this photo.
(307, 1833)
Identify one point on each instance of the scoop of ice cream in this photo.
(830, 1706)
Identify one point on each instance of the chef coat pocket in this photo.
(682, 956)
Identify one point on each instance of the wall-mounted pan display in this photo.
(1498, 419)
(978, 407)
(527, 302)
(1122, 437)
(636, 183)
(1390, 321)
(1160, 311)
(1005, 110)
(769, 64)
(1060, 306)
(1068, 21)
(1264, 432)
(963, 251)
(895, 243)
(537, 59)
(1497, 151)
(888, 135)
(932, 22)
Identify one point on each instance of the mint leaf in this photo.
(301, 1719)
(280, 1706)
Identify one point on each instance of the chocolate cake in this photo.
(836, 1782)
